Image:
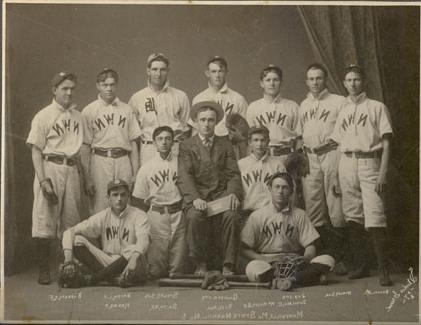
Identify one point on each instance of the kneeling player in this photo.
(124, 233)
(281, 235)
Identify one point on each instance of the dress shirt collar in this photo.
(202, 138)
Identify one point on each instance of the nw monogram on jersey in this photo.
(66, 127)
(255, 176)
(106, 120)
(163, 176)
(275, 228)
(349, 120)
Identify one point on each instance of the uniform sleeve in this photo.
(90, 228)
(250, 116)
(186, 179)
(249, 234)
(141, 186)
(300, 119)
(296, 126)
(134, 105)
(385, 125)
(38, 134)
(307, 232)
(142, 229)
(242, 107)
(134, 129)
(88, 133)
(336, 134)
(184, 114)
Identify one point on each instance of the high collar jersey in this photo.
(318, 116)
(169, 106)
(110, 126)
(57, 131)
(230, 100)
(280, 116)
(361, 125)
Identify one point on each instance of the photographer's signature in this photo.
(406, 292)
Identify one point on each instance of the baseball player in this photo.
(218, 91)
(363, 130)
(256, 169)
(156, 193)
(124, 234)
(278, 229)
(159, 104)
(278, 114)
(55, 139)
(109, 148)
(318, 114)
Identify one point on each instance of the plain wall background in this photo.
(44, 39)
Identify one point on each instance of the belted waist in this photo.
(280, 150)
(321, 150)
(172, 208)
(364, 155)
(110, 153)
(61, 160)
(146, 141)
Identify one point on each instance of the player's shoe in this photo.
(384, 278)
(44, 275)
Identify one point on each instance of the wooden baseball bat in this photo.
(234, 277)
(196, 283)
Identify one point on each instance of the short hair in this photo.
(157, 57)
(271, 68)
(206, 108)
(355, 68)
(317, 66)
(61, 77)
(258, 130)
(282, 175)
(161, 129)
(107, 73)
(218, 60)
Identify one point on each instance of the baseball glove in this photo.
(70, 275)
(285, 269)
(237, 127)
(48, 191)
(214, 280)
(297, 164)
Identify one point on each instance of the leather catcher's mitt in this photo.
(297, 164)
(237, 127)
(70, 275)
(49, 194)
(214, 280)
(285, 269)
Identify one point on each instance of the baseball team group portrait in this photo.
(161, 157)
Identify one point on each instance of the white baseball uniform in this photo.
(155, 183)
(57, 131)
(317, 120)
(359, 128)
(169, 106)
(255, 174)
(271, 232)
(280, 116)
(230, 101)
(121, 235)
(112, 126)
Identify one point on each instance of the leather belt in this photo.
(61, 160)
(172, 208)
(364, 155)
(280, 150)
(146, 142)
(110, 153)
(321, 150)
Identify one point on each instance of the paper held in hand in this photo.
(219, 205)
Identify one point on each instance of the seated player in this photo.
(156, 193)
(256, 169)
(124, 233)
(279, 230)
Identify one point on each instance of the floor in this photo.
(342, 300)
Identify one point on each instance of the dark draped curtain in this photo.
(385, 42)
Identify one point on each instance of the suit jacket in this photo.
(208, 174)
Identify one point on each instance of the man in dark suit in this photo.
(208, 171)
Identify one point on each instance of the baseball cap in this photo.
(257, 270)
(157, 57)
(260, 129)
(116, 183)
(61, 76)
(218, 58)
(214, 105)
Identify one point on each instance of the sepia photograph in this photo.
(210, 162)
